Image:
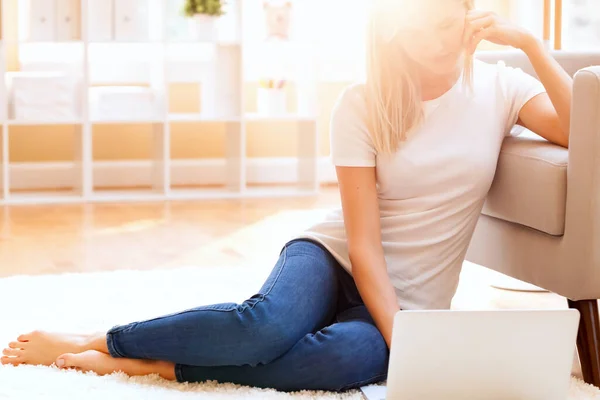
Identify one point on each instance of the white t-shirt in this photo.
(432, 190)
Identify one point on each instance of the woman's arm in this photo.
(549, 114)
(363, 229)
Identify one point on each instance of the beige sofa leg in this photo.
(588, 339)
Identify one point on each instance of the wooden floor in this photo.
(81, 238)
(38, 240)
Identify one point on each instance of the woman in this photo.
(415, 148)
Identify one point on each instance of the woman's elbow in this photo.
(364, 253)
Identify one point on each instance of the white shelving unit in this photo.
(223, 96)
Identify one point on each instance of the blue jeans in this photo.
(306, 329)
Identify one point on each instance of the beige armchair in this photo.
(541, 220)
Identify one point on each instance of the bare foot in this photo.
(42, 348)
(104, 364)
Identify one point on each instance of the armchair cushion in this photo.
(530, 187)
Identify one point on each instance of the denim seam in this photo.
(362, 382)
(283, 263)
(180, 313)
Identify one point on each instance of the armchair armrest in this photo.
(582, 225)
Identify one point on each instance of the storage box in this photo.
(131, 20)
(100, 20)
(48, 96)
(67, 20)
(108, 103)
(51, 20)
(120, 20)
(42, 20)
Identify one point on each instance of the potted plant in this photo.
(205, 14)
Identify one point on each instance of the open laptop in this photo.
(477, 355)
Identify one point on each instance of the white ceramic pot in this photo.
(271, 102)
(206, 28)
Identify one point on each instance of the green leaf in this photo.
(208, 7)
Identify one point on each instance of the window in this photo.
(581, 25)
(580, 21)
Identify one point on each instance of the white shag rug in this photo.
(94, 301)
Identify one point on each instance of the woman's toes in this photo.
(11, 360)
(31, 335)
(12, 352)
(25, 337)
(17, 345)
(67, 360)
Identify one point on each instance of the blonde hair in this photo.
(393, 93)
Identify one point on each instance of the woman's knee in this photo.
(290, 304)
(338, 358)
(271, 341)
(267, 329)
(356, 355)
(363, 357)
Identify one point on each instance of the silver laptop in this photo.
(480, 355)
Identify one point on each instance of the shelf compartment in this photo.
(117, 171)
(194, 171)
(211, 82)
(297, 100)
(52, 171)
(294, 174)
(126, 63)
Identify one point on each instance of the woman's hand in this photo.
(486, 25)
